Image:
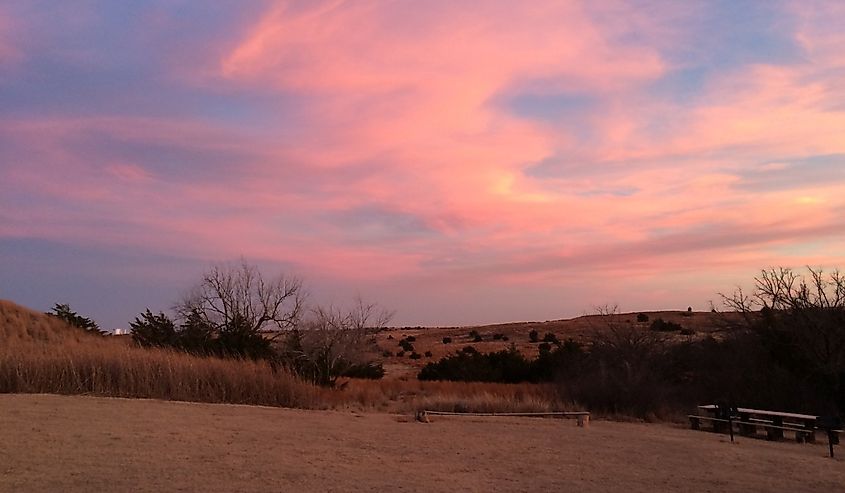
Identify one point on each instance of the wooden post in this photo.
(777, 433)
(695, 423)
(583, 420)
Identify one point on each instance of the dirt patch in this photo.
(58, 443)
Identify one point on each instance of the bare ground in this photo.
(59, 443)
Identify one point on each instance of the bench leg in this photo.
(583, 421)
(810, 436)
(695, 424)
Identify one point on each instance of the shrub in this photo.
(428, 354)
(153, 330)
(447, 340)
(642, 318)
(477, 338)
(400, 354)
(498, 336)
(506, 338)
(687, 313)
(371, 371)
(473, 334)
(550, 337)
(660, 325)
(502, 366)
(534, 336)
(415, 355)
(406, 345)
(411, 339)
(506, 366)
(386, 353)
(687, 332)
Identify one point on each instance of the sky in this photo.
(457, 162)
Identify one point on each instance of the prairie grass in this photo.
(411, 395)
(40, 354)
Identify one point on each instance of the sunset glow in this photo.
(459, 162)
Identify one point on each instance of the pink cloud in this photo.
(404, 165)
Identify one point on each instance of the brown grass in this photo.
(411, 395)
(59, 443)
(43, 355)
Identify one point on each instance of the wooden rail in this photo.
(582, 417)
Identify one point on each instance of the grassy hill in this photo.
(22, 325)
(496, 337)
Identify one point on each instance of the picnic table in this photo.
(750, 420)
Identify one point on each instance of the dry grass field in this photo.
(63, 443)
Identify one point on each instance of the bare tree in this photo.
(628, 341)
(332, 341)
(801, 320)
(237, 297)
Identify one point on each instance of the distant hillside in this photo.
(20, 324)
(428, 342)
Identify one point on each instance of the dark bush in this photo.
(550, 337)
(544, 347)
(387, 354)
(371, 371)
(406, 345)
(506, 338)
(153, 330)
(660, 325)
(415, 355)
(411, 339)
(503, 366)
(477, 338)
(428, 354)
(534, 336)
(687, 332)
(400, 354)
(447, 340)
(498, 336)
(642, 318)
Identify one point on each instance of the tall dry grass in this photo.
(122, 371)
(412, 395)
(40, 354)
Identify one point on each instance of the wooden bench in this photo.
(582, 418)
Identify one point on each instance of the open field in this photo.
(60, 443)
